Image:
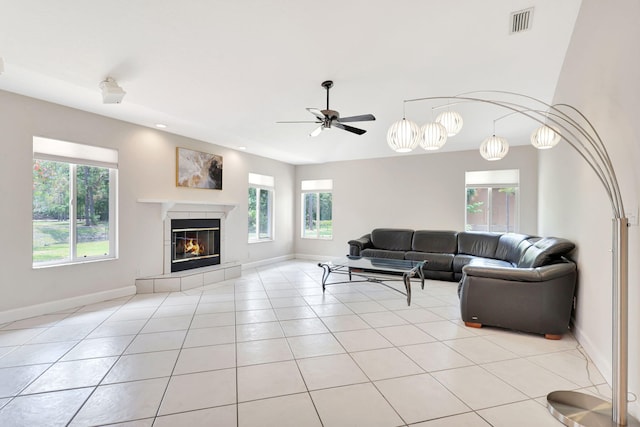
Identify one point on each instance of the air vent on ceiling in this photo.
(520, 21)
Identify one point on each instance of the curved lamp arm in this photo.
(573, 408)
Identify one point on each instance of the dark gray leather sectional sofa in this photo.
(512, 281)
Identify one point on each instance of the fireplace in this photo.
(195, 243)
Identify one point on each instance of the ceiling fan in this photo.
(330, 118)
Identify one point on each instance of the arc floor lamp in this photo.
(563, 120)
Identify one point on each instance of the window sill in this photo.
(63, 264)
(261, 241)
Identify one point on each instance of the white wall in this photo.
(146, 171)
(420, 191)
(600, 77)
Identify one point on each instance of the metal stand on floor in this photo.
(579, 409)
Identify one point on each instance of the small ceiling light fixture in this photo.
(433, 136)
(161, 126)
(403, 136)
(111, 92)
(545, 137)
(451, 120)
(494, 148)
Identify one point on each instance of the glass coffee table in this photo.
(376, 270)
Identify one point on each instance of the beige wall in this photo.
(420, 191)
(146, 171)
(424, 191)
(600, 77)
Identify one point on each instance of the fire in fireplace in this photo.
(195, 243)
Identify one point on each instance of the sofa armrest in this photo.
(538, 274)
(537, 300)
(357, 245)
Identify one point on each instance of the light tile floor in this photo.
(270, 349)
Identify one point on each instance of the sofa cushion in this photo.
(459, 261)
(435, 262)
(478, 243)
(392, 239)
(489, 262)
(545, 251)
(381, 253)
(437, 242)
(510, 248)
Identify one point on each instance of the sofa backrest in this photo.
(545, 251)
(392, 239)
(478, 243)
(510, 247)
(437, 242)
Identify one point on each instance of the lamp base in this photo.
(578, 409)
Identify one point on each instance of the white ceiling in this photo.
(225, 71)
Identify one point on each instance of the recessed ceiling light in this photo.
(161, 126)
(242, 148)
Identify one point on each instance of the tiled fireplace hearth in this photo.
(187, 225)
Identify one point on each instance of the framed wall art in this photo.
(195, 169)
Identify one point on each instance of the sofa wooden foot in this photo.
(553, 336)
(473, 325)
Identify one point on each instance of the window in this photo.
(74, 199)
(317, 209)
(260, 207)
(492, 199)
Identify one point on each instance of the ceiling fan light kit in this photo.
(329, 118)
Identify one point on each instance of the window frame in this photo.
(262, 183)
(74, 156)
(493, 180)
(317, 187)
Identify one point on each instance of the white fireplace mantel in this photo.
(168, 281)
(190, 206)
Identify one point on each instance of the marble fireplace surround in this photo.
(189, 279)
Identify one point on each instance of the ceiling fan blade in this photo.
(316, 113)
(348, 128)
(317, 131)
(362, 118)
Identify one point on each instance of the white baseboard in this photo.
(317, 258)
(267, 262)
(64, 304)
(601, 360)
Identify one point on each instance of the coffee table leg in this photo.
(421, 274)
(407, 284)
(326, 270)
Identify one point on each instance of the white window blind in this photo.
(70, 152)
(261, 180)
(495, 178)
(317, 185)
